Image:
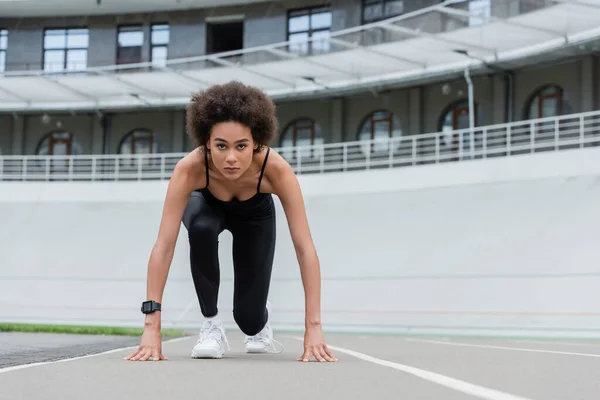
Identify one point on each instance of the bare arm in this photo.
(178, 192)
(161, 256)
(288, 190)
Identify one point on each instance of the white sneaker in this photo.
(263, 341)
(211, 340)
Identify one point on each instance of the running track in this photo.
(369, 367)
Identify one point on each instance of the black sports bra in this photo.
(257, 195)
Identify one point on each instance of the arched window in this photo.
(379, 126)
(139, 141)
(548, 101)
(301, 132)
(58, 143)
(456, 117)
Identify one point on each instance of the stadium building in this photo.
(112, 77)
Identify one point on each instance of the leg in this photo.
(253, 253)
(204, 224)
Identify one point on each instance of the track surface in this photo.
(383, 367)
(25, 348)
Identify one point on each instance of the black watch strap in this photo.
(150, 306)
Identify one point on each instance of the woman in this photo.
(227, 182)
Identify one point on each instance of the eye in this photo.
(241, 146)
(221, 146)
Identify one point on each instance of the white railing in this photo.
(503, 140)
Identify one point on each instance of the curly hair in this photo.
(231, 102)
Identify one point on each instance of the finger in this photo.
(330, 354)
(163, 357)
(318, 355)
(135, 353)
(146, 355)
(158, 356)
(326, 353)
(139, 355)
(305, 357)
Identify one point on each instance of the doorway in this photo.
(224, 36)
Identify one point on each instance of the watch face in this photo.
(150, 306)
(146, 306)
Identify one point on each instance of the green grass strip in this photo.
(83, 330)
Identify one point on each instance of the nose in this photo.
(230, 157)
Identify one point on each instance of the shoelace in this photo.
(213, 331)
(264, 337)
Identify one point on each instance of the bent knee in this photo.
(201, 228)
(250, 321)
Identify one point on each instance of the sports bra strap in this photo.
(262, 171)
(206, 166)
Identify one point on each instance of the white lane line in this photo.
(17, 367)
(488, 346)
(452, 383)
(583, 344)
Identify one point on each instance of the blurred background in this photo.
(447, 152)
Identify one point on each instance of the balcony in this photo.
(504, 140)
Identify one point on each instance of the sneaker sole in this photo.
(209, 354)
(256, 350)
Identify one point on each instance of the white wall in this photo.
(503, 246)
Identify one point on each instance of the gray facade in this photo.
(414, 110)
(264, 23)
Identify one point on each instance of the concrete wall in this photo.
(503, 246)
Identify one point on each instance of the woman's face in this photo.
(231, 148)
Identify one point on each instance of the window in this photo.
(3, 46)
(59, 144)
(377, 10)
(379, 127)
(159, 44)
(549, 101)
(65, 49)
(480, 11)
(301, 132)
(129, 44)
(139, 141)
(305, 23)
(456, 117)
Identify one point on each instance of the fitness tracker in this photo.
(150, 306)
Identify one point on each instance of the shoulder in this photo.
(190, 170)
(277, 167)
(280, 176)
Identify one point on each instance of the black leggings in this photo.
(253, 231)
